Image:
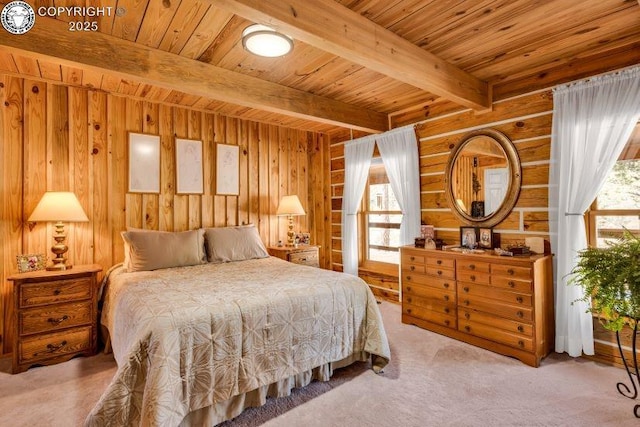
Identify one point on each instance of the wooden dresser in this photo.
(301, 254)
(56, 315)
(502, 304)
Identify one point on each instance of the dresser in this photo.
(301, 254)
(502, 304)
(55, 315)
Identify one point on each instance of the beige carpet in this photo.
(431, 381)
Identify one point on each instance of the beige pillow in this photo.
(227, 244)
(151, 250)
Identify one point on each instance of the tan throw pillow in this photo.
(150, 250)
(227, 244)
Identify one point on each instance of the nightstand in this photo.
(55, 315)
(302, 254)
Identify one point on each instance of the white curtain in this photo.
(399, 152)
(592, 122)
(357, 161)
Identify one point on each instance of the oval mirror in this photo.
(483, 177)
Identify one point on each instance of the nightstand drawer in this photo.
(31, 350)
(55, 291)
(53, 318)
(305, 258)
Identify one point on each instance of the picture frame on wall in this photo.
(227, 169)
(468, 237)
(144, 163)
(485, 238)
(189, 170)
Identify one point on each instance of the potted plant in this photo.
(610, 278)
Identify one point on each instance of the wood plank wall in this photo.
(526, 120)
(62, 138)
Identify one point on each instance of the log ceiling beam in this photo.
(50, 40)
(334, 28)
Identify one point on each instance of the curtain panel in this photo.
(592, 122)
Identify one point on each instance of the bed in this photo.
(199, 341)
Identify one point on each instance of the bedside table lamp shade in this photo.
(59, 207)
(290, 206)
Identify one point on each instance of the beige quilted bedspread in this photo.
(187, 337)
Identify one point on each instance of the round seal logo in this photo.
(17, 17)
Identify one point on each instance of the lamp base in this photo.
(59, 267)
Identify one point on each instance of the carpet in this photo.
(432, 380)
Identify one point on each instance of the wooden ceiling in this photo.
(365, 65)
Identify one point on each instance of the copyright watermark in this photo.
(17, 17)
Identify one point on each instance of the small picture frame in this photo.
(485, 238)
(144, 163)
(303, 238)
(31, 262)
(189, 174)
(468, 237)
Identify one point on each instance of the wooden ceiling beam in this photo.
(50, 40)
(334, 28)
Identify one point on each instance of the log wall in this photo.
(62, 138)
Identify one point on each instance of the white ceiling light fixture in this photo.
(265, 41)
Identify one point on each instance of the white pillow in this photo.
(151, 250)
(225, 244)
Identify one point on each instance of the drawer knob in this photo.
(467, 328)
(408, 310)
(439, 272)
(472, 266)
(409, 288)
(409, 300)
(303, 259)
(57, 292)
(408, 277)
(467, 315)
(519, 299)
(510, 271)
(412, 268)
(446, 286)
(473, 278)
(446, 310)
(466, 289)
(520, 343)
(446, 297)
(58, 320)
(446, 322)
(54, 347)
(520, 314)
(412, 258)
(466, 302)
(512, 284)
(439, 262)
(520, 328)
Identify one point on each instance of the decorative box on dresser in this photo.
(502, 304)
(301, 254)
(55, 314)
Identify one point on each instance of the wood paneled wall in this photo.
(525, 120)
(63, 138)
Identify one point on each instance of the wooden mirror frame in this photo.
(515, 179)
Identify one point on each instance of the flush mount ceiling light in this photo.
(264, 41)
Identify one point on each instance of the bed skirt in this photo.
(231, 408)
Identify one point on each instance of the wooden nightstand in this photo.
(303, 254)
(55, 314)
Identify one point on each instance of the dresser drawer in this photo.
(516, 285)
(464, 289)
(473, 277)
(412, 257)
(421, 279)
(430, 304)
(508, 325)
(494, 307)
(305, 258)
(511, 271)
(34, 294)
(443, 295)
(443, 273)
(429, 315)
(471, 265)
(497, 335)
(52, 318)
(441, 263)
(40, 347)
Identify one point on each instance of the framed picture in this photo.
(144, 163)
(31, 262)
(303, 238)
(227, 169)
(189, 174)
(485, 238)
(468, 237)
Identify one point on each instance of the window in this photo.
(617, 206)
(381, 218)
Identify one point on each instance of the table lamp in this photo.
(59, 206)
(290, 206)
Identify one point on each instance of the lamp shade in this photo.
(265, 41)
(290, 205)
(58, 206)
